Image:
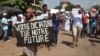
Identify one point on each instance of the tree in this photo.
(97, 7)
(69, 7)
(58, 7)
(22, 4)
(15, 3)
(2, 0)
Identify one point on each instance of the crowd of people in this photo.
(81, 24)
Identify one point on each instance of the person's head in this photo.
(30, 12)
(45, 7)
(78, 6)
(5, 14)
(18, 18)
(80, 12)
(93, 10)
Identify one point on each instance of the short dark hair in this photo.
(78, 6)
(44, 5)
(80, 12)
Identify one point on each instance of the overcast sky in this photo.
(83, 3)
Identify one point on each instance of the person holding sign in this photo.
(20, 19)
(76, 28)
(30, 50)
(45, 12)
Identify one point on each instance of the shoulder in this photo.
(3, 18)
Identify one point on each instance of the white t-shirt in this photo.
(14, 20)
(77, 20)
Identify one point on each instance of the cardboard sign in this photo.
(34, 32)
(75, 11)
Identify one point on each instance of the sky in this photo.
(84, 3)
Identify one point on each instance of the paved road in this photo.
(87, 47)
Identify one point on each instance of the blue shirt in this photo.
(55, 23)
(4, 23)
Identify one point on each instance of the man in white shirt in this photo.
(44, 14)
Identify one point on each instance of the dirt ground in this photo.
(87, 47)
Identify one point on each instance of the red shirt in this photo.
(84, 18)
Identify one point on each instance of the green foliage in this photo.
(97, 7)
(69, 7)
(57, 7)
(37, 1)
(22, 4)
(2, 0)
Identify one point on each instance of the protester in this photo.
(55, 27)
(85, 23)
(13, 22)
(92, 21)
(68, 22)
(44, 8)
(76, 28)
(45, 13)
(30, 50)
(5, 26)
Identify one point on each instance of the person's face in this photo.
(19, 18)
(45, 8)
(29, 13)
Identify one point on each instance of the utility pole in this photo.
(34, 2)
(43, 1)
